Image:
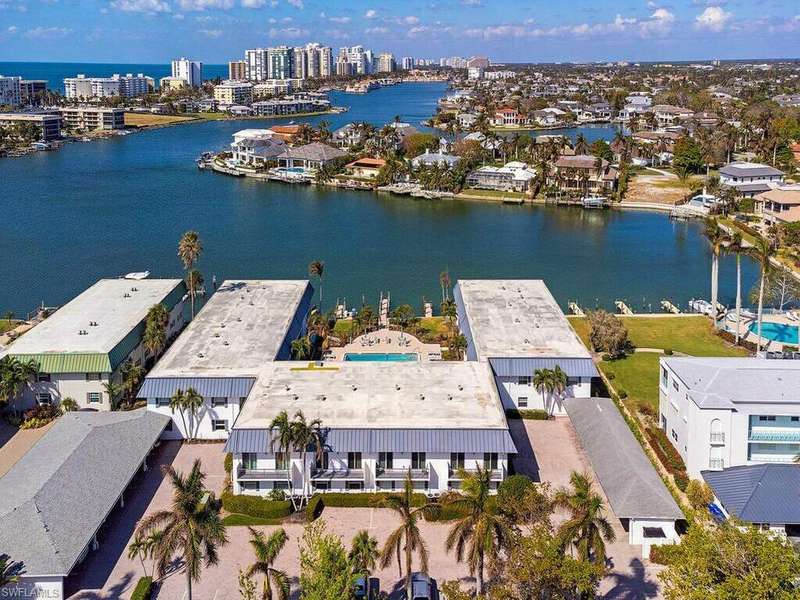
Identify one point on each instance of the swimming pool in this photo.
(381, 357)
(778, 332)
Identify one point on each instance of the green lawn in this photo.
(637, 375)
(7, 324)
(689, 335)
(499, 194)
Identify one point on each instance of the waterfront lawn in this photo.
(343, 329)
(7, 325)
(494, 194)
(637, 376)
(213, 116)
(688, 335)
(135, 119)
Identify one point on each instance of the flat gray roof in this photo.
(723, 382)
(375, 395)
(629, 480)
(59, 493)
(111, 303)
(241, 327)
(517, 318)
(747, 169)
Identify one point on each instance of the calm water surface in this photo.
(105, 208)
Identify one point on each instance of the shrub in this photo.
(699, 494)
(228, 463)
(606, 357)
(447, 513)
(365, 499)
(622, 393)
(647, 410)
(256, 506)
(658, 555)
(610, 376)
(143, 589)
(277, 495)
(533, 414)
(513, 489)
(607, 333)
(668, 351)
(247, 521)
(668, 456)
(314, 507)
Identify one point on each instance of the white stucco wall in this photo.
(203, 427)
(511, 390)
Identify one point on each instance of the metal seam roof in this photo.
(208, 387)
(69, 362)
(520, 367)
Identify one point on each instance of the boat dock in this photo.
(575, 309)
(623, 308)
(669, 307)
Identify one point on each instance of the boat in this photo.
(594, 202)
(137, 275)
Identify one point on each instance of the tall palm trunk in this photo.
(738, 294)
(714, 285)
(480, 573)
(408, 567)
(760, 304)
(188, 585)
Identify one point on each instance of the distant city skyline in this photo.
(216, 31)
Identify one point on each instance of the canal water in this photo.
(105, 208)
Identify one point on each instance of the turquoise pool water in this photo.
(381, 357)
(778, 332)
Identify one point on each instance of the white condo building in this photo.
(91, 87)
(727, 412)
(191, 71)
(10, 91)
(517, 327)
(256, 64)
(82, 346)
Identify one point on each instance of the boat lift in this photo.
(669, 307)
(623, 308)
(575, 309)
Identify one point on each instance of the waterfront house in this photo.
(430, 159)
(780, 205)
(726, 412)
(507, 116)
(348, 136)
(310, 156)
(243, 326)
(57, 496)
(490, 144)
(583, 173)
(513, 176)
(238, 110)
(517, 327)
(365, 168)
(466, 120)
(749, 179)
(83, 345)
(49, 124)
(668, 115)
(256, 147)
(549, 117)
(593, 113)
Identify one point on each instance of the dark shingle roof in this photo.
(632, 485)
(59, 493)
(758, 493)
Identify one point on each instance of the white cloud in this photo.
(339, 34)
(253, 3)
(659, 23)
(179, 16)
(371, 14)
(296, 3)
(204, 4)
(45, 33)
(471, 2)
(713, 18)
(12, 29)
(288, 32)
(376, 30)
(340, 19)
(410, 20)
(212, 33)
(143, 6)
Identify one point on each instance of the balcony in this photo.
(775, 434)
(341, 474)
(717, 437)
(243, 474)
(383, 474)
(496, 474)
(716, 463)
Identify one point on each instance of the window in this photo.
(94, 397)
(219, 401)
(321, 462)
(280, 485)
(219, 425)
(354, 485)
(92, 376)
(522, 401)
(456, 460)
(249, 460)
(766, 418)
(43, 377)
(281, 461)
(524, 380)
(322, 485)
(162, 401)
(354, 460)
(418, 460)
(664, 376)
(385, 460)
(249, 486)
(795, 419)
(44, 398)
(675, 385)
(674, 435)
(490, 460)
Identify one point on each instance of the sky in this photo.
(216, 31)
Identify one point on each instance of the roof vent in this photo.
(421, 396)
(222, 325)
(460, 388)
(239, 319)
(200, 355)
(397, 387)
(355, 387)
(527, 341)
(225, 343)
(449, 396)
(216, 335)
(288, 387)
(251, 303)
(295, 397)
(322, 398)
(133, 289)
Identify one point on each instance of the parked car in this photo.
(423, 587)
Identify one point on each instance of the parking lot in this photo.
(549, 451)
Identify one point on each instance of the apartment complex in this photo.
(82, 346)
(237, 70)
(89, 118)
(30, 90)
(285, 62)
(386, 63)
(233, 92)
(48, 123)
(727, 412)
(10, 91)
(517, 327)
(128, 86)
(191, 71)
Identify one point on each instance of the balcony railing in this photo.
(400, 474)
(356, 474)
(716, 463)
(262, 474)
(454, 474)
(717, 437)
(772, 458)
(775, 434)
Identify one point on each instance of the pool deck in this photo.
(750, 336)
(386, 341)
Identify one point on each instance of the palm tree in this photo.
(558, 381)
(407, 537)
(444, 282)
(190, 529)
(543, 383)
(364, 555)
(301, 348)
(194, 283)
(10, 571)
(305, 435)
(267, 551)
(717, 238)
(735, 245)
(132, 374)
(317, 269)
(587, 528)
(763, 250)
(15, 376)
(114, 391)
(190, 247)
(282, 437)
(483, 533)
(142, 547)
(581, 145)
(155, 331)
(178, 402)
(68, 405)
(193, 401)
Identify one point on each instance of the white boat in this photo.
(137, 275)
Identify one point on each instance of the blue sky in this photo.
(215, 31)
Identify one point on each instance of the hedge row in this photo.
(668, 456)
(255, 506)
(532, 414)
(143, 589)
(731, 339)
